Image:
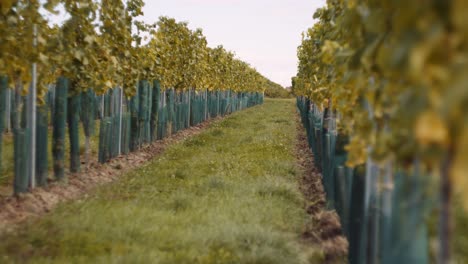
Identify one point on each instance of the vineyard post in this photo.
(88, 116)
(16, 107)
(59, 123)
(217, 105)
(3, 90)
(8, 110)
(189, 106)
(52, 98)
(370, 197)
(73, 118)
(162, 116)
(32, 118)
(155, 109)
(206, 104)
(164, 104)
(445, 215)
(229, 102)
(19, 138)
(387, 191)
(120, 120)
(102, 105)
(112, 102)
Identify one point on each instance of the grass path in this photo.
(228, 195)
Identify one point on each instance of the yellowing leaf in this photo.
(459, 11)
(108, 84)
(357, 152)
(89, 39)
(78, 54)
(351, 4)
(43, 58)
(431, 129)
(12, 20)
(459, 171)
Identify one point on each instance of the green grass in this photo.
(6, 177)
(228, 195)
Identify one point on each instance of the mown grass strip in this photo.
(228, 195)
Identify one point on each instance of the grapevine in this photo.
(395, 72)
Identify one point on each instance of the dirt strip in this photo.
(324, 228)
(16, 209)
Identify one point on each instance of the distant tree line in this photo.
(274, 90)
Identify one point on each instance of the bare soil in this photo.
(16, 209)
(324, 228)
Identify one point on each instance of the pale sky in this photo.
(264, 33)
